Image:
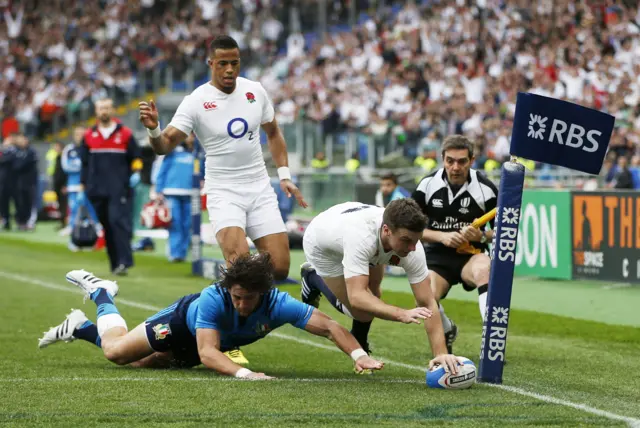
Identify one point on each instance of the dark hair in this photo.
(404, 214)
(457, 142)
(222, 42)
(390, 176)
(253, 272)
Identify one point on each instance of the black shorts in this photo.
(167, 331)
(449, 265)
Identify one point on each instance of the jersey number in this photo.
(242, 133)
(354, 209)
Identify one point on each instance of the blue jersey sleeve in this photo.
(291, 311)
(210, 309)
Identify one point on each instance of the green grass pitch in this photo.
(562, 371)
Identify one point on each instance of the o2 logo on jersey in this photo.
(238, 128)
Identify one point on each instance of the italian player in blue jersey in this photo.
(238, 310)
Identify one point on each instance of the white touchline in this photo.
(213, 378)
(631, 422)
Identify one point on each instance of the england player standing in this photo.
(240, 309)
(347, 247)
(451, 198)
(226, 115)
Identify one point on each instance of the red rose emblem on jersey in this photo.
(250, 97)
(394, 261)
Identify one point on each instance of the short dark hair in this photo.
(457, 142)
(222, 42)
(253, 272)
(404, 214)
(390, 176)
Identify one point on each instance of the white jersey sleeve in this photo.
(268, 112)
(357, 252)
(415, 265)
(185, 117)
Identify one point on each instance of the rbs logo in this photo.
(562, 133)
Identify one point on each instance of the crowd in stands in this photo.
(61, 55)
(410, 73)
(451, 67)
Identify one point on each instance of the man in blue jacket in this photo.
(72, 166)
(174, 182)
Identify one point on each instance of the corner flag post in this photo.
(544, 130)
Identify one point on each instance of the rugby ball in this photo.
(438, 377)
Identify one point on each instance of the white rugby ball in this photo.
(438, 377)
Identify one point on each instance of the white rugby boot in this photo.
(89, 283)
(64, 331)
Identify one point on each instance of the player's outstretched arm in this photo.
(362, 299)
(321, 324)
(433, 326)
(163, 142)
(210, 355)
(278, 149)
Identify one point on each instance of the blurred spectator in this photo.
(72, 165)
(54, 152)
(390, 190)
(175, 184)
(319, 184)
(59, 184)
(624, 178)
(7, 182)
(24, 175)
(319, 162)
(353, 164)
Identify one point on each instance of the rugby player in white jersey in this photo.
(226, 115)
(347, 247)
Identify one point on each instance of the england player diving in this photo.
(240, 309)
(227, 114)
(347, 248)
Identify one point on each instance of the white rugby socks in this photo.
(482, 300)
(446, 322)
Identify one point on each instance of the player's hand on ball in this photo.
(258, 376)
(454, 239)
(448, 361)
(366, 362)
(470, 233)
(148, 114)
(415, 315)
(289, 189)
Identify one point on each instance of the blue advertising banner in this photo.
(560, 133)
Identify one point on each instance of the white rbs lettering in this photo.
(508, 243)
(497, 343)
(575, 137)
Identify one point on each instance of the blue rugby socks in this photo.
(89, 332)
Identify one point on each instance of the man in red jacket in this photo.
(110, 169)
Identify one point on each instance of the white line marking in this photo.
(214, 378)
(631, 422)
(616, 286)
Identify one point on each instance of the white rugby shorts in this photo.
(327, 264)
(253, 207)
